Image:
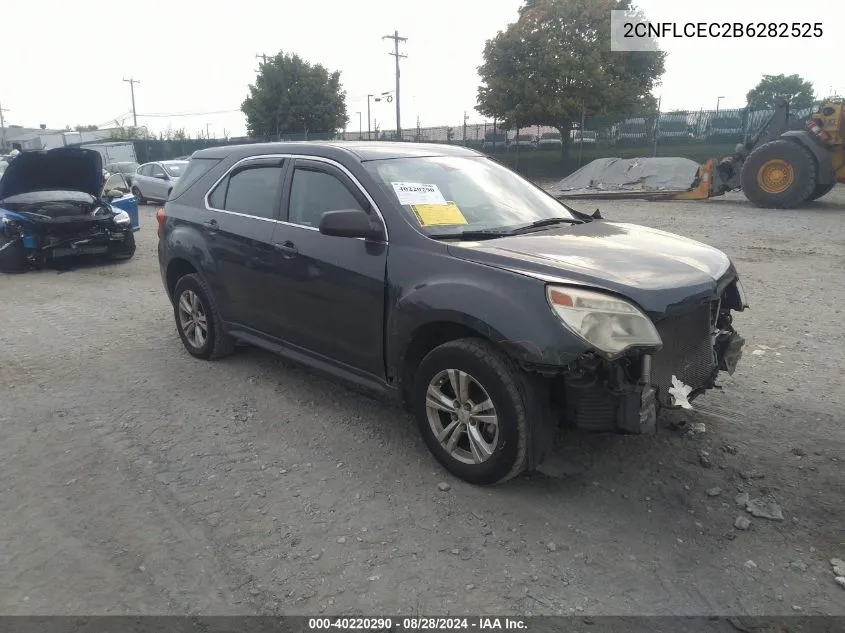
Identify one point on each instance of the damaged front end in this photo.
(53, 225)
(627, 392)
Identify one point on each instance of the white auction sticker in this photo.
(418, 193)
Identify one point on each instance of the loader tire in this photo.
(821, 191)
(780, 174)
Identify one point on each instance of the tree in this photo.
(292, 96)
(556, 59)
(773, 88)
(86, 128)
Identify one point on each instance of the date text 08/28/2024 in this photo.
(415, 624)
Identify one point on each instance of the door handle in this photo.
(288, 249)
(211, 225)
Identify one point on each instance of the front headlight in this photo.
(607, 323)
(122, 218)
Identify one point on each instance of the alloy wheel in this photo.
(462, 416)
(193, 319)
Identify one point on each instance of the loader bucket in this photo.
(662, 177)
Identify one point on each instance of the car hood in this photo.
(63, 168)
(656, 269)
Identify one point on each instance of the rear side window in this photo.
(197, 168)
(252, 190)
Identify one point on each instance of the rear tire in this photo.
(137, 193)
(780, 174)
(192, 299)
(12, 255)
(821, 191)
(490, 377)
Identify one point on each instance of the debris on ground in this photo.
(698, 428)
(798, 565)
(714, 492)
(741, 499)
(444, 487)
(750, 564)
(704, 459)
(742, 523)
(840, 580)
(764, 508)
(551, 546)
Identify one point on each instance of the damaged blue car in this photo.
(56, 204)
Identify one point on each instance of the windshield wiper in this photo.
(545, 222)
(482, 234)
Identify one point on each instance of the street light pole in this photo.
(360, 127)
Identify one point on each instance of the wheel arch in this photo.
(425, 338)
(822, 156)
(177, 268)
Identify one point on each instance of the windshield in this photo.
(175, 169)
(673, 126)
(452, 194)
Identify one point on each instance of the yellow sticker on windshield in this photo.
(438, 214)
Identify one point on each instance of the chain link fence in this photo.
(545, 151)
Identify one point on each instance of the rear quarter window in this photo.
(196, 169)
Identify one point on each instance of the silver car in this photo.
(155, 181)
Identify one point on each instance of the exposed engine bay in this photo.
(626, 394)
(53, 224)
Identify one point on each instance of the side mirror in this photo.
(161, 176)
(350, 223)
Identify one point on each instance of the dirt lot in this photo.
(135, 479)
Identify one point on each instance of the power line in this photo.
(396, 39)
(177, 114)
(132, 81)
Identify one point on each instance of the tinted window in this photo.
(157, 170)
(254, 191)
(196, 169)
(315, 192)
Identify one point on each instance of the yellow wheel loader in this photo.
(777, 168)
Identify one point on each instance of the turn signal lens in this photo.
(160, 220)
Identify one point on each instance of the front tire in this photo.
(198, 320)
(127, 249)
(468, 399)
(780, 174)
(12, 254)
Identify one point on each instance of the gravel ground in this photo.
(135, 479)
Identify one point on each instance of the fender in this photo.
(516, 316)
(821, 154)
(184, 242)
(11, 215)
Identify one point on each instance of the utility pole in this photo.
(464, 135)
(132, 81)
(263, 59)
(396, 39)
(2, 127)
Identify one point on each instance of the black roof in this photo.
(362, 150)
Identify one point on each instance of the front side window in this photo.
(315, 192)
(252, 191)
(157, 171)
(452, 194)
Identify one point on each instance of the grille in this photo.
(687, 353)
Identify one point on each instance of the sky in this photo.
(63, 63)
